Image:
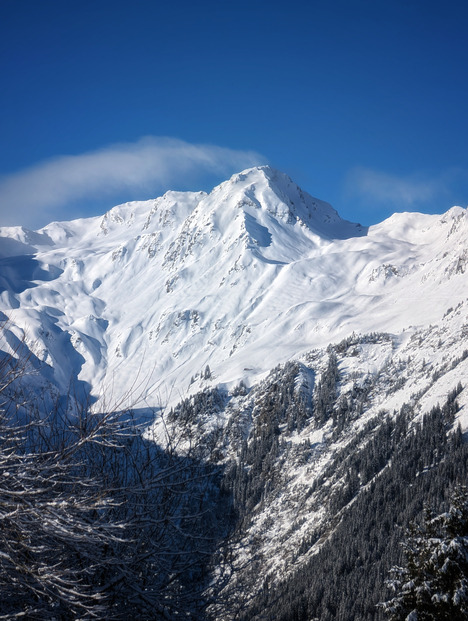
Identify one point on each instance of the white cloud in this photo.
(402, 192)
(151, 165)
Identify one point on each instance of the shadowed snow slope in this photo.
(250, 275)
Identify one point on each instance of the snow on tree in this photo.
(95, 521)
(433, 585)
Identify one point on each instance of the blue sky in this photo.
(363, 103)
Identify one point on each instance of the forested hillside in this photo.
(226, 406)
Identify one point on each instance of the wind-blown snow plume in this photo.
(149, 166)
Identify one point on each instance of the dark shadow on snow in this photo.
(18, 273)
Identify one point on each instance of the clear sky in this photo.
(362, 102)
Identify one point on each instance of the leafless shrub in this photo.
(96, 521)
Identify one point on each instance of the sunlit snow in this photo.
(138, 302)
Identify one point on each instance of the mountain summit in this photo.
(314, 367)
(252, 274)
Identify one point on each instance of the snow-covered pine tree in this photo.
(434, 583)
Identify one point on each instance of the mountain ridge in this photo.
(319, 366)
(254, 273)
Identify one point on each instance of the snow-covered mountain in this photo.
(319, 365)
(138, 302)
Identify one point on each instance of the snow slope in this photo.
(137, 303)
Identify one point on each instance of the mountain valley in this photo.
(319, 364)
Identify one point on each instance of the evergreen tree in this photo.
(434, 583)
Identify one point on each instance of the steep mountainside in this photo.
(255, 273)
(374, 416)
(320, 366)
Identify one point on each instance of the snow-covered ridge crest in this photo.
(252, 274)
(273, 191)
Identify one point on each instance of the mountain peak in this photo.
(273, 191)
(251, 274)
(262, 174)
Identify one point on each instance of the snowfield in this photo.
(137, 303)
(282, 343)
